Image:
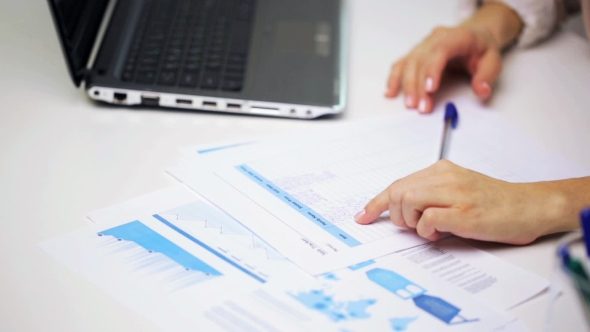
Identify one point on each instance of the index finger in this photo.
(380, 203)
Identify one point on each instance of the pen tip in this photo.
(451, 113)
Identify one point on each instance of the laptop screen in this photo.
(77, 23)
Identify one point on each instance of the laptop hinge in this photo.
(84, 73)
(106, 19)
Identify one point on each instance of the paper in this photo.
(300, 193)
(305, 198)
(134, 254)
(454, 263)
(381, 298)
(457, 265)
(153, 270)
(192, 218)
(181, 286)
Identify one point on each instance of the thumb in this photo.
(374, 209)
(486, 71)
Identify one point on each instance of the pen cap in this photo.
(451, 113)
(585, 224)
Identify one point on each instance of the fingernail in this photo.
(409, 101)
(359, 215)
(429, 84)
(422, 105)
(487, 89)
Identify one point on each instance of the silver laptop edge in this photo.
(229, 105)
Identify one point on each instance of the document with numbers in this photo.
(304, 195)
(300, 192)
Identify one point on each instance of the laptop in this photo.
(282, 58)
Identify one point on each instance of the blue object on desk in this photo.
(451, 120)
(574, 267)
(452, 114)
(585, 224)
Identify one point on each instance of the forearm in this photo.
(498, 22)
(559, 203)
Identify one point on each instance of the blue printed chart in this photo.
(407, 290)
(336, 310)
(378, 298)
(170, 277)
(149, 251)
(227, 239)
(213, 218)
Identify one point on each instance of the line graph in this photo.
(212, 218)
(237, 263)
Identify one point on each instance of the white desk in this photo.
(62, 156)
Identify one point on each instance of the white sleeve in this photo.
(538, 16)
(465, 9)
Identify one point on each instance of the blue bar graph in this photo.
(151, 241)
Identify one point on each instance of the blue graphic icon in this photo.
(337, 311)
(152, 252)
(406, 289)
(395, 283)
(401, 323)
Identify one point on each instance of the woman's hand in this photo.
(475, 46)
(448, 198)
(419, 73)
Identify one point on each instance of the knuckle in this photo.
(397, 67)
(408, 196)
(462, 32)
(439, 49)
(394, 196)
(443, 165)
(439, 31)
(452, 177)
(428, 218)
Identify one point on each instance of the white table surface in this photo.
(62, 156)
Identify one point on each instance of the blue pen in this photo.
(585, 223)
(451, 120)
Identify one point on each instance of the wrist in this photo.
(497, 23)
(551, 206)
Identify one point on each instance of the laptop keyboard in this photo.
(191, 43)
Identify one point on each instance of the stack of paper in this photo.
(271, 244)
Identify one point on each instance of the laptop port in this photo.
(209, 104)
(184, 101)
(234, 106)
(265, 110)
(119, 97)
(150, 100)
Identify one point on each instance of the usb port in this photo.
(209, 104)
(184, 101)
(234, 106)
(119, 97)
(150, 100)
